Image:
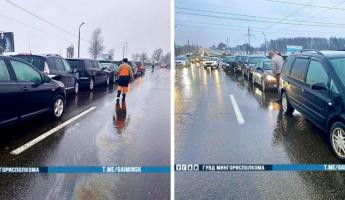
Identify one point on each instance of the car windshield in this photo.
(36, 61)
(237, 58)
(267, 65)
(181, 58)
(339, 67)
(211, 59)
(254, 60)
(230, 59)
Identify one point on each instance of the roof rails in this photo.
(309, 50)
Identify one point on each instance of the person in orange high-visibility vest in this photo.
(125, 76)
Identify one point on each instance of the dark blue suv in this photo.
(312, 82)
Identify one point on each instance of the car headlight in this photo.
(270, 78)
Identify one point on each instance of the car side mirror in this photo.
(46, 79)
(319, 86)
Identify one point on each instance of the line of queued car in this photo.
(255, 68)
(35, 84)
(311, 82)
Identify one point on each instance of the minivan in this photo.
(25, 92)
(56, 68)
(312, 82)
(91, 72)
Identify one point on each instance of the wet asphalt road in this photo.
(106, 136)
(207, 131)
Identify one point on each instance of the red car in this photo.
(141, 68)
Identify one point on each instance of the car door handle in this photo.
(25, 88)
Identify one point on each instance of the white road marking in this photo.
(31, 143)
(237, 110)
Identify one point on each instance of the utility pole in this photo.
(79, 39)
(124, 50)
(248, 45)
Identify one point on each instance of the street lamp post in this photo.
(79, 39)
(265, 42)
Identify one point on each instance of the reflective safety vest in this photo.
(124, 69)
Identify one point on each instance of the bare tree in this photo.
(157, 55)
(136, 57)
(96, 44)
(143, 57)
(167, 58)
(70, 51)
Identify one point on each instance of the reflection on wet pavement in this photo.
(120, 120)
(121, 133)
(206, 131)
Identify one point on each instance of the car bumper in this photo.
(84, 80)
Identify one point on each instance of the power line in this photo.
(242, 30)
(254, 20)
(323, 11)
(289, 15)
(32, 27)
(41, 18)
(259, 28)
(255, 16)
(302, 4)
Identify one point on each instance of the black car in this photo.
(91, 72)
(312, 82)
(237, 64)
(25, 92)
(229, 63)
(112, 68)
(56, 68)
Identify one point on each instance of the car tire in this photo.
(286, 106)
(337, 139)
(92, 84)
(58, 107)
(76, 87)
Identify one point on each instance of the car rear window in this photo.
(267, 65)
(36, 61)
(299, 69)
(76, 64)
(254, 60)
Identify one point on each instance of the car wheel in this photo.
(92, 84)
(76, 87)
(58, 107)
(337, 137)
(107, 82)
(286, 106)
(263, 85)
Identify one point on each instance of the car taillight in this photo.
(46, 70)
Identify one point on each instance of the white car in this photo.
(210, 62)
(181, 61)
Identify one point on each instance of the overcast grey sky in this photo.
(206, 30)
(145, 24)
